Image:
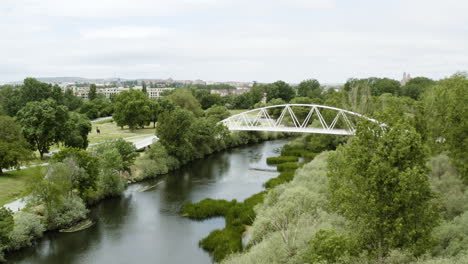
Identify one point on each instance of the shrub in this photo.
(221, 243)
(27, 228)
(72, 210)
(452, 236)
(281, 159)
(328, 246)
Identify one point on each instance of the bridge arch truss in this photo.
(296, 118)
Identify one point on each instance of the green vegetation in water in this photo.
(238, 215)
(288, 166)
(281, 159)
(85, 224)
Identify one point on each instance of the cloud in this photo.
(232, 39)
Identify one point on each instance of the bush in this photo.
(222, 243)
(327, 246)
(281, 159)
(27, 228)
(452, 236)
(72, 210)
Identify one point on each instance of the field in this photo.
(13, 183)
(109, 131)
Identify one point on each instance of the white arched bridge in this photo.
(299, 118)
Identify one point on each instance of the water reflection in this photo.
(146, 227)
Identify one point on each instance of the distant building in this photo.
(406, 78)
(153, 93)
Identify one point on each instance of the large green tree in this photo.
(43, 124)
(84, 182)
(443, 119)
(92, 92)
(132, 109)
(13, 146)
(309, 88)
(174, 132)
(415, 87)
(78, 127)
(185, 99)
(379, 182)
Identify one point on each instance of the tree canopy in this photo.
(379, 182)
(13, 147)
(43, 124)
(132, 109)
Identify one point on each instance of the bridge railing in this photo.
(300, 118)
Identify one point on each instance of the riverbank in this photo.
(149, 224)
(240, 215)
(249, 138)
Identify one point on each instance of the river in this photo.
(147, 227)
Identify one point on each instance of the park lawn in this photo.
(110, 131)
(13, 183)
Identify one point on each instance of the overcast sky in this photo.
(244, 40)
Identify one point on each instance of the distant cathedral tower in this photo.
(406, 78)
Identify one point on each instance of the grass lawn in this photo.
(109, 131)
(13, 183)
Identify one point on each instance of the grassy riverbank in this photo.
(238, 215)
(13, 183)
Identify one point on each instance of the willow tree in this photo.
(379, 182)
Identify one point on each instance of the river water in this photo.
(147, 227)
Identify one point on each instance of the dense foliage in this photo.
(13, 147)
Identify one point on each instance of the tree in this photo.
(71, 101)
(143, 89)
(174, 132)
(379, 182)
(84, 182)
(34, 90)
(154, 111)
(378, 86)
(279, 89)
(43, 124)
(207, 99)
(443, 119)
(309, 88)
(6, 226)
(185, 99)
(132, 109)
(415, 87)
(57, 94)
(10, 99)
(126, 151)
(92, 92)
(77, 129)
(13, 146)
(217, 113)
